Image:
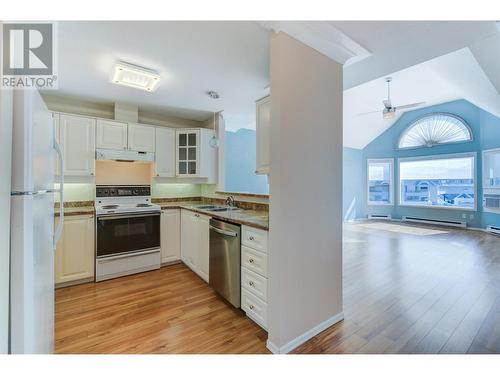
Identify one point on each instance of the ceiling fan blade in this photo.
(387, 103)
(369, 113)
(406, 106)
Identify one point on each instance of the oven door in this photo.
(121, 234)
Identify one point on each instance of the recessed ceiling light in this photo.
(135, 76)
(213, 94)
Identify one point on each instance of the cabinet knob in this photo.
(250, 283)
(91, 173)
(250, 307)
(250, 260)
(157, 175)
(251, 238)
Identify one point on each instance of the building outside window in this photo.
(380, 185)
(438, 181)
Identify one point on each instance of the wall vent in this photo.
(379, 217)
(448, 223)
(493, 229)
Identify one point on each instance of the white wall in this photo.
(5, 187)
(305, 250)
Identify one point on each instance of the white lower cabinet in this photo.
(74, 257)
(195, 238)
(254, 280)
(170, 235)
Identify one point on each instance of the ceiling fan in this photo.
(389, 112)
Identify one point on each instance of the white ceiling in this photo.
(192, 58)
(232, 58)
(457, 75)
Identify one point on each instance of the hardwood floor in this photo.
(170, 310)
(407, 289)
(416, 289)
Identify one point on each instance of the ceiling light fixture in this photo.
(213, 94)
(130, 75)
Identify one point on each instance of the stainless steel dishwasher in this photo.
(225, 260)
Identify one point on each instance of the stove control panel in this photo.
(104, 191)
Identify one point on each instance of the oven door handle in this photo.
(130, 255)
(126, 216)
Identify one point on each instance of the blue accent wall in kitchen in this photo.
(486, 132)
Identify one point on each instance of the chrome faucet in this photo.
(230, 201)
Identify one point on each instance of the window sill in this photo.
(380, 204)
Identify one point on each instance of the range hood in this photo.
(124, 155)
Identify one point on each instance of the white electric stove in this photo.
(127, 231)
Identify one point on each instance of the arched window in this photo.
(435, 129)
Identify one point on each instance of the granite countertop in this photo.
(252, 218)
(76, 208)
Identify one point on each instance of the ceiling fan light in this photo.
(388, 114)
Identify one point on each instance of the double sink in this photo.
(216, 208)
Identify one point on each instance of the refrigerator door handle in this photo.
(59, 229)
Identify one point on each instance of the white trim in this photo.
(287, 348)
(435, 157)
(323, 37)
(391, 183)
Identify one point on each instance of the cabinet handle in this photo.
(251, 307)
(251, 238)
(250, 260)
(250, 283)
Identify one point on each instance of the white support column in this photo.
(305, 250)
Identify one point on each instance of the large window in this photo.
(438, 181)
(380, 186)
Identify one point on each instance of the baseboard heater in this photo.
(447, 223)
(379, 217)
(493, 229)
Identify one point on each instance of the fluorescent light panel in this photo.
(135, 76)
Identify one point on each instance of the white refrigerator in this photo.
(33, 236)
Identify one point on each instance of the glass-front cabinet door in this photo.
(187, 153)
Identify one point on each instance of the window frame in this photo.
(434, 157)
(414, 122)
(390, 161)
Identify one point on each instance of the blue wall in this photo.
(486, 131)
(352, 183)
(240, 159)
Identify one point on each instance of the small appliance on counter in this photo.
(127, 231)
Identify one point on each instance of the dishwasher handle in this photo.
(224, 232)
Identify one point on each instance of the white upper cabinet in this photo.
(111, 135)
(165, 152)
(195, 157)
(263, 129)
(141, 138)
(77, 141)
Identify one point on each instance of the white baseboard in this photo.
(287, 348)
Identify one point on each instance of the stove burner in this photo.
(143, 205)
(110, 206)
